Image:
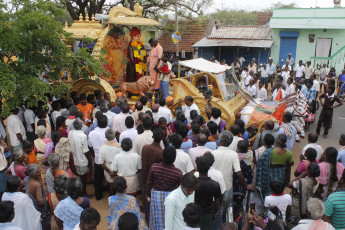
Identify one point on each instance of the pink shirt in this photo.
(197, 152)
(119, 122)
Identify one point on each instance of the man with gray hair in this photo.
(316, 210)
(69, 121)
(110, 115)
(199, 150)
(107, 153)
(227, 161)
(80, 150)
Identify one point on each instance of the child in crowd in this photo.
(309, 157)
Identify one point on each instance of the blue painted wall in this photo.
(288, 44)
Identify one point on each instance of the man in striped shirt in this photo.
(335, 206)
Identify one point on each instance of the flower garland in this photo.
(139, 54)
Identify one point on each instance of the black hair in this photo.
(73, 94)
(282, 139)
(183, 130)
(27, 144)
(161, 102)
(213, 127)
(7, 210)
(196, 127)
(189, 98)
(181, 117)
(314, 169)
(189, 181)
(125, 108)
(150, 114)
(277, 187)
(157, 135)
(192, 215)
(209, 157)
(120, 184)
(97, 93)
(126, 144)
(331, 157)
(312, 137)
(200, 119)
(55, 105)
(206, 132)
(74, 188)
(242, 146)
(161, 120)
(272, 225)
(288, 116)
(90, 98)
(90, 214)
(193, 113)
(235, 129)
(147, 123)
(80, 115)
(240, 123)
(139, 106)
(12, 183)
(59, 121)
(40, 113)
(129, 122)
(169, 155)
(128, 221)
(176, 140)
(143, 100)
(202, 165)
(82, 96)
(310, 154)
(269, 140)
(102, 121)
(55, 136)
(41, 123)
(98, 114)
(216, 112)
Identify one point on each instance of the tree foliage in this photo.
(32, 43)
(151, 8)
(235, 17)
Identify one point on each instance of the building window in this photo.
(311, 38)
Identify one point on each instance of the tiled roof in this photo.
(191, 36)
(243, 32)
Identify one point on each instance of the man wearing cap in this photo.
(308, 70)
(290, 59)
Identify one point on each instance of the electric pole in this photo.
(176, 26)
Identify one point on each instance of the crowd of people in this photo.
(164, 167)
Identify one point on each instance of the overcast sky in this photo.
(263, 4)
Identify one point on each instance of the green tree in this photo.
(235, 17)
(32, 43)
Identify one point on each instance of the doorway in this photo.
(323, 47)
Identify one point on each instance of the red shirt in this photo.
(164, 177)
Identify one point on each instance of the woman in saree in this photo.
(330, 173)
(39, 147)
(59, 193)
(51, 146)
(18, 167)
(35, 190)
(121, 203)
(61, 126)
(272, 165)
(303, 189)
(53, 171)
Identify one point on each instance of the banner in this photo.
(176, 37)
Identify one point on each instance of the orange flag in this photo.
(279, 95)
(278, 114)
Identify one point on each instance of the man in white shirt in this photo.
(285, 74)
(309, 70)
(163, 111)
(110, 115)
(252, 88)
(190, 105)
(261, 93)
(96, 140)
(79, 148)
(182, 161)
(312, 139)
(277, 91)
(146, 138)
(199, 150)
(290, 88)
(130, 132)
(252, 67)
(119, 120)
(16, 130)
(264, 71)
(227, 161)
(287, 66)
(316, 85)
(29, 117)
(177, 200)
(56, 111)
(299, 71)
(235, 130)
(244, 75)
(323, 76)
(271, 70)
(248, 78)
(290, 59)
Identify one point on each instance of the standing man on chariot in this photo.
(155, 56)
(136, 56)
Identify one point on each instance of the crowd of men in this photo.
(173, 169)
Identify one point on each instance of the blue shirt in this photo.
(245, 136)
(341, 77)
(310, 95)
(186, 145)
(211, 145)
(69, 212)
(341, 157)
(304, 90)
(9, 226)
